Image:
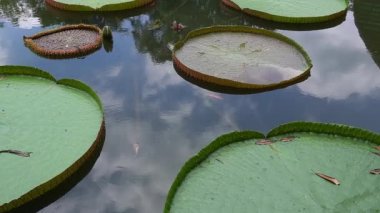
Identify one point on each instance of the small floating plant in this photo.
(51, 134)
(240, 59)
(299, 166)
(66, 42)
(292, 11)
(97, 5)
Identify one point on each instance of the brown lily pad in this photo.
(66, 42)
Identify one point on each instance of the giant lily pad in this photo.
(66, 42)
(283, 174)
(51, 131)
(241, 58)
(367, 20)
(100, 5)
(292, 11)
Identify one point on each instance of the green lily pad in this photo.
(99, 5)
(236, 174)
(292, 11)
(241, 58)
(49, 131)
(367, 20)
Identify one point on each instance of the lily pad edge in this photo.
(108, 7)
(285, 19)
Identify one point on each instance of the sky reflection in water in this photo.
(155, 120)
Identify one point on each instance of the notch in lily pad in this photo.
(64, 124)
(281, 177)
(240, 59)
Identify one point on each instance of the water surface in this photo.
(155, 120)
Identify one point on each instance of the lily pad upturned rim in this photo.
(367, 16)
(286, 19)
(232, 85)
(84, 50)
(233, 137)
(71, 175)
(108, 7)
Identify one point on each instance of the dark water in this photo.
(156, 120)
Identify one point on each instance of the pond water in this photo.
(156, 120)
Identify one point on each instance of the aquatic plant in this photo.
(97, 5)
(51, 134)
(367, 16)
(66, 42)
(240, 58)
(107, 32)
(292, 11)
(298, 166)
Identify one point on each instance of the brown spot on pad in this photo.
(66, 42)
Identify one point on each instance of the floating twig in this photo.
(219, 160)
(375, 171)
(16, 152)
(376, 153)
(328, 178)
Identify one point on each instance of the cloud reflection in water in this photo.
(349, 72)
(170, 119)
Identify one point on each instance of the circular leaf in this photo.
(50, 131)
(299, 167)
(241, 58)
(66, 42)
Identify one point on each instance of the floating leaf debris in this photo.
(264, 142)
(16, 152)
(328, 178)
(375, 171)
(288, 139)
